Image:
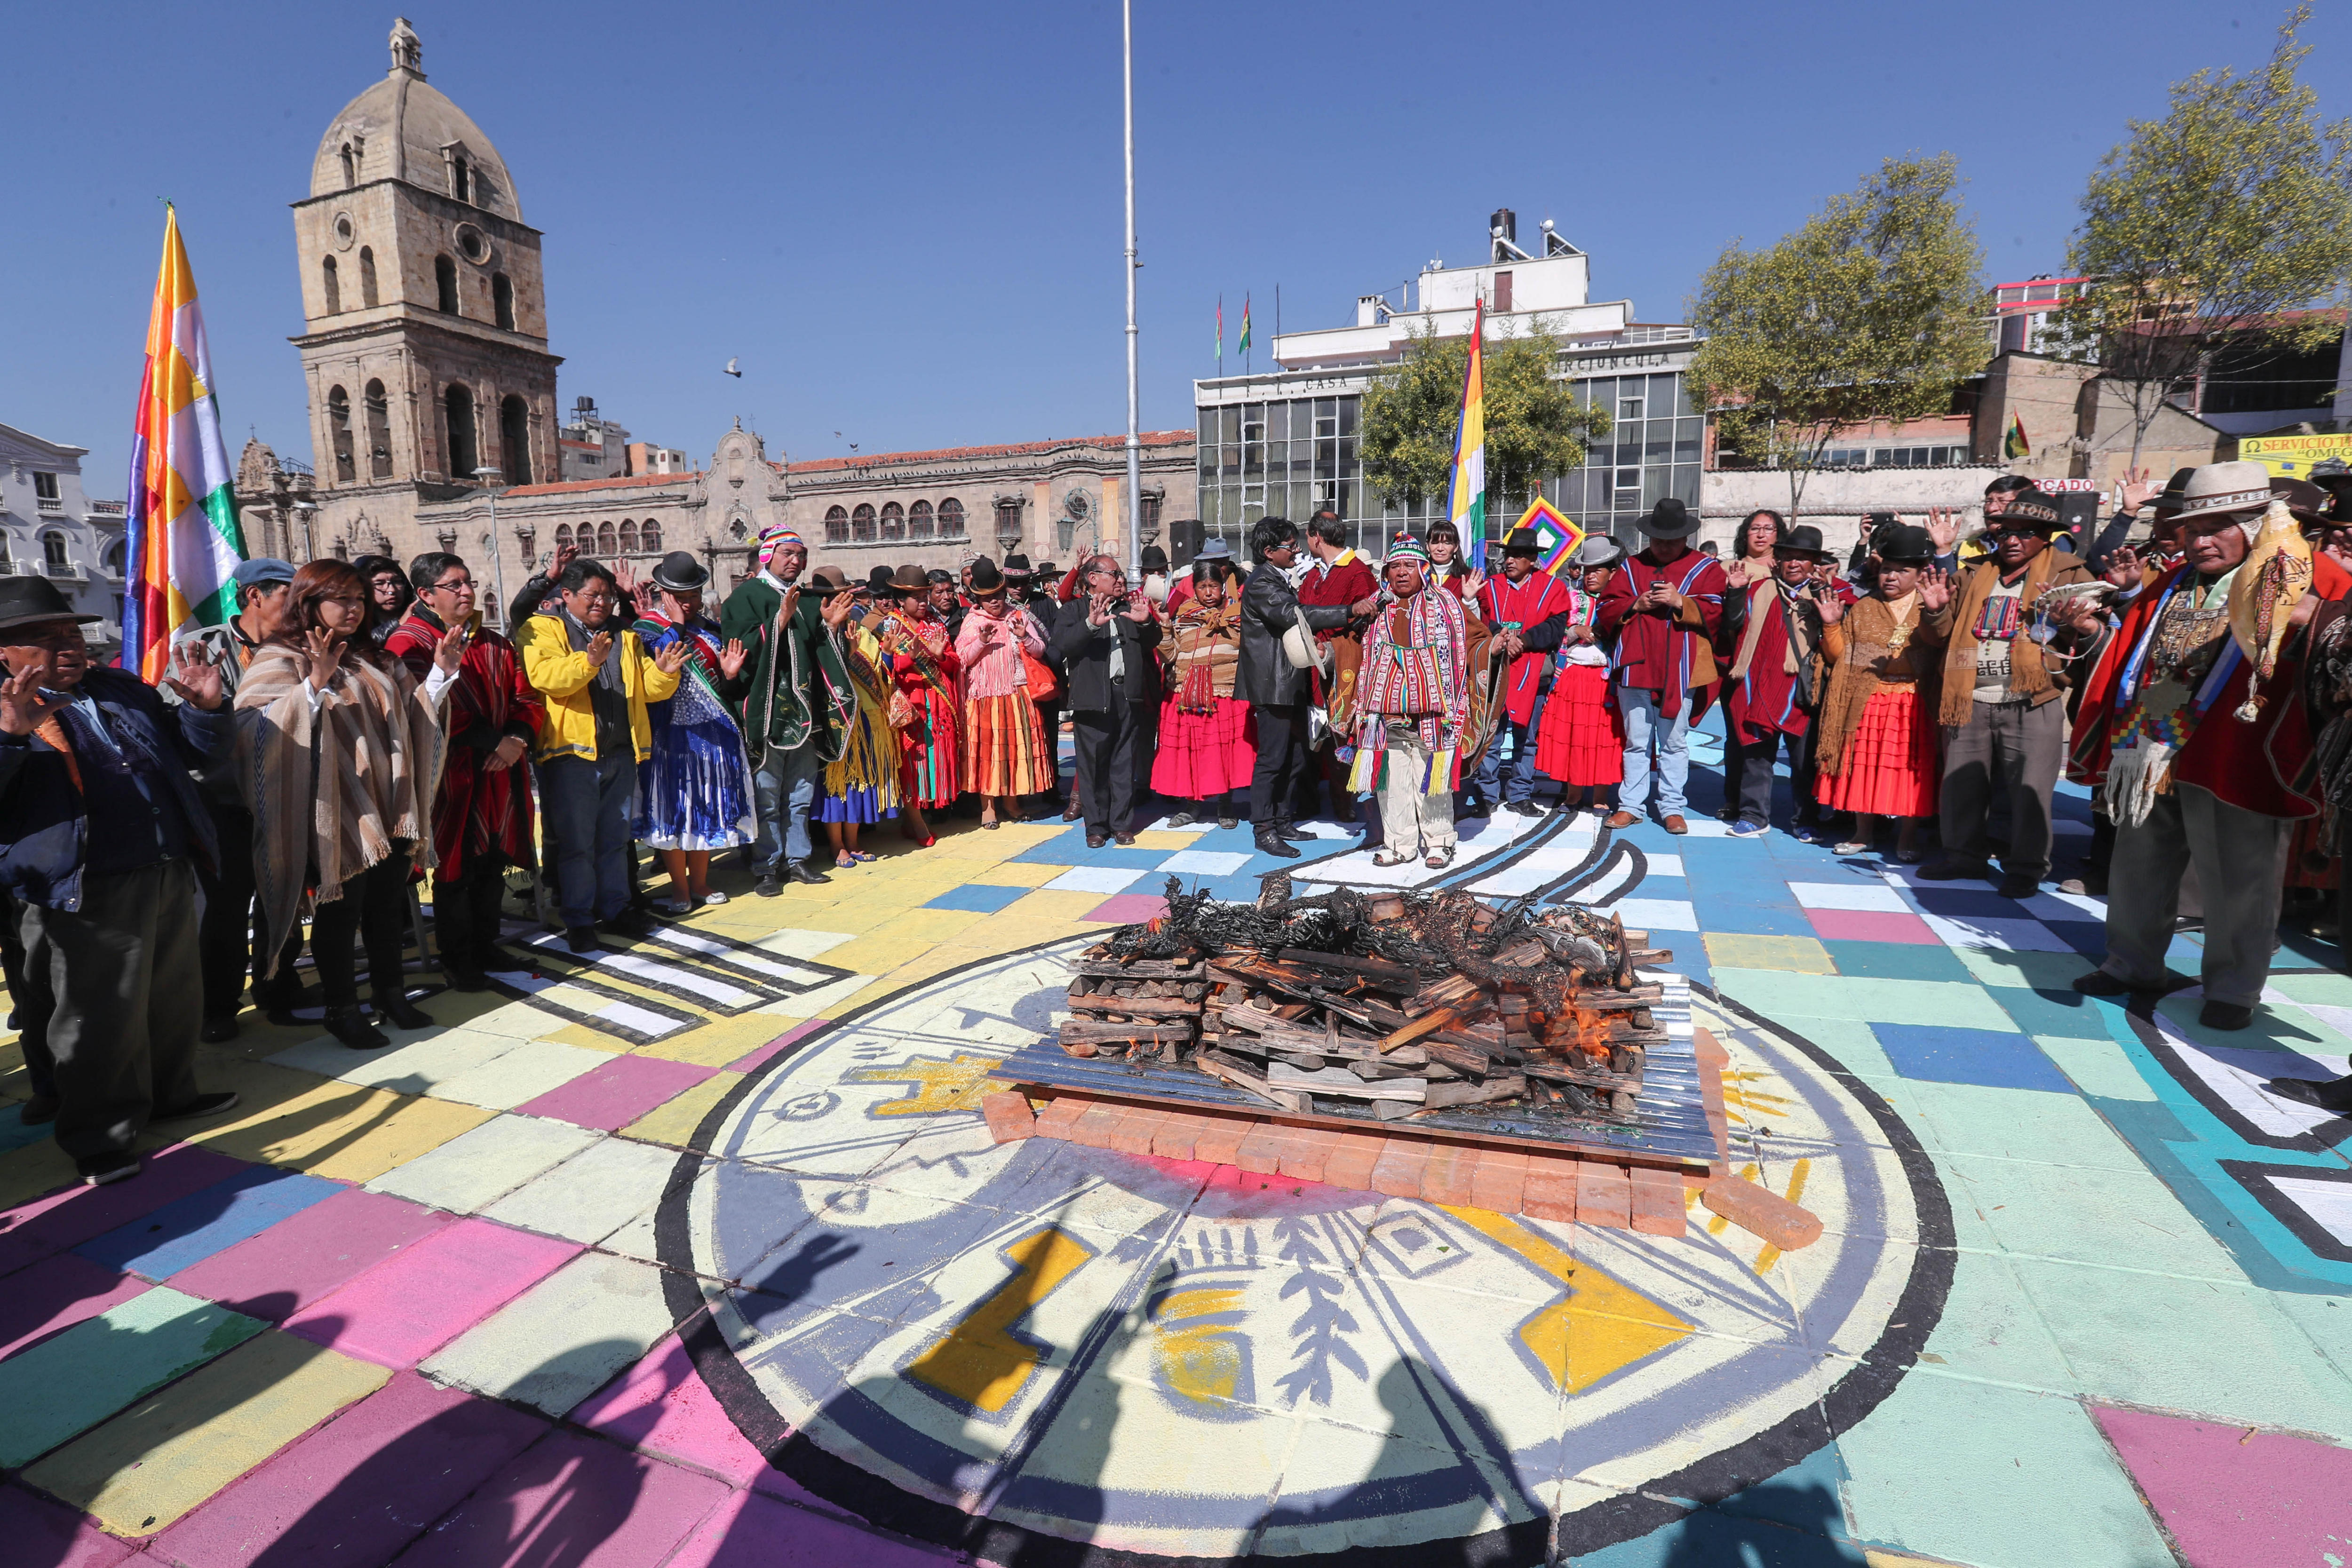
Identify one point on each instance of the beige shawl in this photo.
(332, 789)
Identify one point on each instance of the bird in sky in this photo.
(732, 371)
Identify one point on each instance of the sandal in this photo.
(861, 856)
(843, 861)
(1438, 860)
(1851, 846)
(1384, 858)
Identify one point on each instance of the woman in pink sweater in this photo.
(1004, 755)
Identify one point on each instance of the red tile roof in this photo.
(953, 454)
(573, 487)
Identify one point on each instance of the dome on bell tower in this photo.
(405, 129)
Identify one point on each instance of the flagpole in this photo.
(1134, 442)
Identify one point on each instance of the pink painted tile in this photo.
(40, 1532)
(56, 1293)
(72, 1216)
(750, 1530)
(310, 1254)
(355, 1492)
(1128, 908)
(576, 1501)
(617, 1093)
(397, 1314)
(782, 1043)
(2235, 1502)
(1871, 925)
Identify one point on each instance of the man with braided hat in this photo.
(1414, 694)
(796, 698)
(2197, 754)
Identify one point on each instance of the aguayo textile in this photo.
(862, 784)
(478, 809)
(1416, 668)
(926, 672)
(1208, 737)
(695, 792)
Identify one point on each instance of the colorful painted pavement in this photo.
(701, 1254)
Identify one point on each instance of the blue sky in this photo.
(906, 219)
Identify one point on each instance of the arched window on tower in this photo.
(562, 536)
(608, 542)
(350, 166)
(334, 286)
(367, 277)
(951, 519)
(628, 537)
(837, 525)
(649, 537)
(918, 521)
(379, 432)
(339, 432)
(461, 179)
(444, 281)
(463, 444)
(894, 520)
(861, 524)
(502, 300)
(514, 440)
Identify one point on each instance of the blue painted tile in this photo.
(180, 1234)
(1070, 850)
(1897, 961)
(2067, 1014)
(13, 1133)
(2088, 938)
(2301, 950)
(1718, 914)
(1985, 1058)
(976, 899)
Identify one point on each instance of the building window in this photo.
(114, 559)
(367, 277)
(514, 440)
(1148, 531)
(379, 432)
(334, 286)
(350, 167)
(502, 300)
(53, 554)
(951, 519)
(562, 536)
(861, 524)
(608, 542)
(1008, 522)
(837, 525)
(649, 537)
(894, 521)
(339, 434)
(1502, 292)
(45, 489)
(463, 443)
(461, 183)
(445, 280)
(628, 537)
(918, 521)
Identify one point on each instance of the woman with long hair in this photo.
(389, 595)
(929, 678)
(694, 794)
(1448, 567)
(1751, 548)
(338, 751)
(1004, 756)
(861, 786)
(1208, 739)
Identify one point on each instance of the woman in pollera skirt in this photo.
(861, 786)
(1876, 731)
(1003, 738)
(1208, 737)
(927, 692)
(1581, 741)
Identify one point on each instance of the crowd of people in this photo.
(352, 728)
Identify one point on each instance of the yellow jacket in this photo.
(562, 673)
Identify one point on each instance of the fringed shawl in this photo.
(332, 789)
(1204, 653)
(1868, 663)
(1416, 668)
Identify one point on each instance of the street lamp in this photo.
(489, 479)
(308, 511)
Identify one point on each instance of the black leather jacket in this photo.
(1269, 608)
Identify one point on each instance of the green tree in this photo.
(1535, 426)
(2203, 227)
(1871, 310)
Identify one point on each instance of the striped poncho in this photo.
(1417, 668)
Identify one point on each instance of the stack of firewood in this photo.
(1402, 1002)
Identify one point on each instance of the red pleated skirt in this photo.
(1890, 767)
(1582, 741)
(1205, 754)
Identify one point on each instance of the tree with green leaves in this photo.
(1871, 310)
(1535, 426)
(2210, 229)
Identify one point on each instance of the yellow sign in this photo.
(2291, 457)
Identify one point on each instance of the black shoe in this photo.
(1950, 870)
(203, 1105)
(1470, 805)
(467, 980)
(1097, 840)
(2018, 885)
(1229, 822)
(41, 1108)
(801, 872)
(402, 1014)
(98, 1170)
(1523, 809)
(2224, 1016)
(582, 939)
(346, 1024)
(1182, 819)
(2327, 1094)
(631, 923)
(1269, 842)
(2099, 983)
(767, 886)
(217, 1027)
(1292, 831)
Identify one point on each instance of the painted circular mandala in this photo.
(1039, 1352)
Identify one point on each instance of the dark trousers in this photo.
(587, 805)
(122, 970)
(1147, 746)
(1049, 718)
(466, 913)
(1735, 754)
(30, 1002)
(373, 908)
(1109, 743)
(1281, 760)
(225, 940)
(2006, 750)
(1756, 759)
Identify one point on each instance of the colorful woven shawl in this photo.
(1416, 668)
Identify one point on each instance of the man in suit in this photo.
(1105, 639)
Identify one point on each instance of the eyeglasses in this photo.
(595, 596)
(455, 585)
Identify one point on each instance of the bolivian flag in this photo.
(2014, 445)
(1465, 495)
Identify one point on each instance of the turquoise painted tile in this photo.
(2276, 1026)
(2327, 1320)
(1774, 992)
(2019, 1125)
(1969, 1472)
(2328, 989)
(2125, 1220)
(2035, 971)
(1897, 960)
(2193, 1347)
(1991, 1330)
(1847, 1040)
(2099, 1067)
(73, 1382)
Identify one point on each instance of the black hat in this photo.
(2035, 510)
(879, 581)
(911, 580)
(1668, 520)
(1016, 565)
(680, 573)
(25, 601)
(1048, 569)
(1522, 541)
(1154, 559)
(1904, 543)
(2305, 501)
(1803, 540)
(987, 582)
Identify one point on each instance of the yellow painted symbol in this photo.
(956, 1083)
(1602, 1325)
(1771, 1255)
(1199, 1349)
(982, 1363)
